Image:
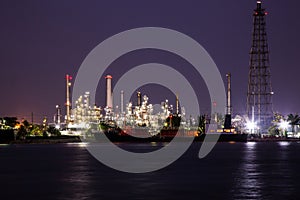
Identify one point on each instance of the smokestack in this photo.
(227, 123)
(122, 102)
(177, 104)
(139, 99)
(258, 5)
(112, 100)
(68, 104)
(58, 114)
(108, 91)
(228, 112)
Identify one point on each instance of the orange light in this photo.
(17, 126)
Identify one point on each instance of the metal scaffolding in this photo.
(259, 95)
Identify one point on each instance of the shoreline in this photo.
(76, 139)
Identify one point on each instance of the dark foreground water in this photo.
(230, 171)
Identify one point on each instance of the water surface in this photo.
(230, 171)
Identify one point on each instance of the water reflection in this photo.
(248, 182)
(78, 144)
(284, 169)
(76, 181)
(284, 143)
(265, 172)
(262, 170)
(250, 145)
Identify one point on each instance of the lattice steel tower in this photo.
(259, 96)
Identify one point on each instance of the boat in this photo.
(166, 134)
(223, 137)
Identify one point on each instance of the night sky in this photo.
(41, 41)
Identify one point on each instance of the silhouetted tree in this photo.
(273, 130)
(53, 131)
(294, 120)
(27, 126)
(201, 124)
(21, 133)
(10, 121)
(36, 130)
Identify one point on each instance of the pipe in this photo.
(177, 104)
(139, 99)
(108, 91)
(68, 104)
(122, 102)
(229, 108)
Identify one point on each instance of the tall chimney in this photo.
(177, 104)
(228, 112)
(68, 104)
(122, 102)
(108, 91)
(227, 123)
(58, 115)
(258, 3)
(139, 99)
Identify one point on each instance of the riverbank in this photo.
(273, 139)
(76, 139)
(48, 140)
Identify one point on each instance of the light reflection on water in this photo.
(77, 144)
(284, 143)
(264, 172)
(77, 177)
(249, 182)
(231, 171)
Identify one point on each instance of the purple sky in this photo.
(41, 41)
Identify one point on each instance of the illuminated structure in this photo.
(227, 123)
(84, 116)
(108, 92)
(84, 112)
(259, 95)
(57, 117)
(68, 103)
(177, 104)
(122, 102)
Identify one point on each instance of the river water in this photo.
(231, 171)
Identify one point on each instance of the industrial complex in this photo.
(141, 120)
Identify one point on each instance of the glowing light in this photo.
(283, 124)
(251, 125)
(153, 144)
(284, 143)
(250, 145)
(17, 126)
(68, 77)
(78, 144)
